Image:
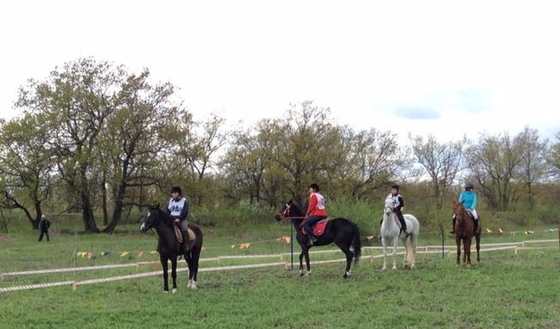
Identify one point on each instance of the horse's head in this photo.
(389, 205)
(459, 210)
(150, 219)
(285, 211)
(289, 209)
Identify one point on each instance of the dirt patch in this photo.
(5, 236)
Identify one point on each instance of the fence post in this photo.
(442, 243)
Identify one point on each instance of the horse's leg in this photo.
(307, 262)
(174, 273)
(458, 242)
(395, 245)
(349, 255)
(301, 261)
(477, 237)
(195, 259)
(406, 252)
(189, 260)
(384, 242)
(163, 260)
(468, 251)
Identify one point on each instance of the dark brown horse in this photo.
(170, 248)
(464, 232)
(340, 231)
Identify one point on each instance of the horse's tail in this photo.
(356, 243)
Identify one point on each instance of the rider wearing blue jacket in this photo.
(470, 201)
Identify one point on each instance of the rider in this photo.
(315, 212)
(178, 210)
(398, 206)
(469, 200)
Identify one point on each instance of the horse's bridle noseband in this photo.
(285, 212)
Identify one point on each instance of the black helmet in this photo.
(395, 186)
(176, 189)
(469, 186)
(314, 186)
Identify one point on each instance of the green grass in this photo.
(507, 290)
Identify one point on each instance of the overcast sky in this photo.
(445, 68)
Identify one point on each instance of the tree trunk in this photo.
(118, 210)
(87, 215)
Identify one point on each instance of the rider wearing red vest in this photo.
(315, 212)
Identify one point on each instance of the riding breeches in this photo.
(310, 222)
(184, 225)
(401, 219)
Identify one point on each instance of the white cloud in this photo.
(478, 64)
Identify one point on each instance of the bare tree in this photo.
(494, 163)
(441, 161)
(533, 163)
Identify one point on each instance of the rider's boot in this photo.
(453, 225)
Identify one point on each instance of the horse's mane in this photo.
(295, 209)
(161, 214)
(458, 207)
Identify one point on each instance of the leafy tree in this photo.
(146, 124)
(494, 162)
(26, 164)
(441, 162)
(533, 163)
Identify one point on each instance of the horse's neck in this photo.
(165, 232)
(389, 221)
(296, 223)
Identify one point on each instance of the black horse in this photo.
(340, 231)
(170, 248)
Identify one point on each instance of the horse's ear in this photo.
(291, 202)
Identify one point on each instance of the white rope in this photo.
(496, 246)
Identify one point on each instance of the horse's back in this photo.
(197, 231)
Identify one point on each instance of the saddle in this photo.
(179, 234)
(318, 228)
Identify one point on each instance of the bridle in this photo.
(285, 212)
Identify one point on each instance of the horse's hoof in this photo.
(383, 268)
(301, 274)
(394, 268)
(193, 285)
(174, 290)
(166, 291)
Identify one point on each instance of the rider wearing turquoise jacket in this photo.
(470, 201)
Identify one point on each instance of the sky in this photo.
(443, 68)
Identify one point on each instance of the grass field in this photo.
(507, 290)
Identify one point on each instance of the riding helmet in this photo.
(177, 189)
(395, 186)
(314, 186)
(469, 186)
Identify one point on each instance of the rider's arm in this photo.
(185, 211)
(312, 204)
(474, 201)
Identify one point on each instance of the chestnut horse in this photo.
(464, 231)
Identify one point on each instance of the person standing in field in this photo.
(44, 225)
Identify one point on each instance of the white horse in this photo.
(391, 231)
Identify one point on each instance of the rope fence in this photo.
(430, 249)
